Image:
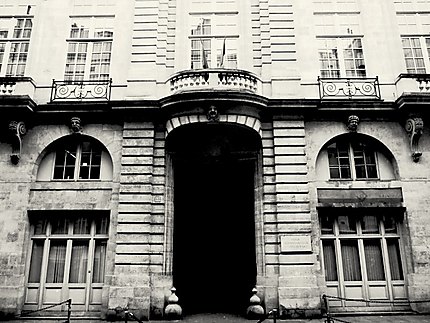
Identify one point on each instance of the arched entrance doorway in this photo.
(214, 244)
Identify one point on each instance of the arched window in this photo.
(76, 158)
(352, 160)
(355, 157)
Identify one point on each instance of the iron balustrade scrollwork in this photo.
(81, 90)
(351, 88)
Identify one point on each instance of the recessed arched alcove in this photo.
(215, 218)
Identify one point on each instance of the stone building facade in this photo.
(214, 146)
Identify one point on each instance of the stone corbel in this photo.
(18, 130)
(414, 127)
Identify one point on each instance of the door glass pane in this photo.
(36, 261)
(395, 260)
(56, 261)
(350, 260)
(79, 262)
(99, 262)
(329, 260)
(374, 264)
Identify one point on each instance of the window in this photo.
(417, 53)
(68, 254)
(361, 254)
(352, 160)
(15, 36)
(78, 160)
(341, 57)
(214, 41)
(89, 49)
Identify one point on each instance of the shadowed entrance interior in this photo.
(214, 262)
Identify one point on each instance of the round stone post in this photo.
(255, 310)
(173, 310)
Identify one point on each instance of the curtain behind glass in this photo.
(99, 262)
(394, 258)
(350, 261)
(56, 262)
(79, 262)
(329, 260)
(373, 255)
(36, 261)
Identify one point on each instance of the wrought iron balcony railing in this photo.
(351, 88)
(81, 90)
(214, 79)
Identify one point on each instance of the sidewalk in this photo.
(229, 318)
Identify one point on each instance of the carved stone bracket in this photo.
(352, 123)
(414, 128)
(75, 125)
(18, 130)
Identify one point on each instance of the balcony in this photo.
(412, 84)
(215, 79)
(17, 86)
(81, 90)
(349, 88)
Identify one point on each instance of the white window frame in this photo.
(352, 162)
(213, 41)
(78, 159)
(341, 285)
(9, 25)
(339, 44)
(83, 33)
(39, 289)
(424, 47)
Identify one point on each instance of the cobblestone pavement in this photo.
(228, 318)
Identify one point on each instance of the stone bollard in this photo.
(173, 310)
(255, 310)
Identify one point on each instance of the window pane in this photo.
(395, 260)
(350, 261)
(40, 226)
(329, 260)
(327, 224)
(390, 224)
(82, 225)
(36, 261)
(347, 224)
(99, 261)
(373, 255)
(102, 225)
(79, 262)
(56, 262)
(59, 226)
(370, 224)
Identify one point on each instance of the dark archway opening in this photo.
(214, 255)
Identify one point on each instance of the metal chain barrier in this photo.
(69, 310)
